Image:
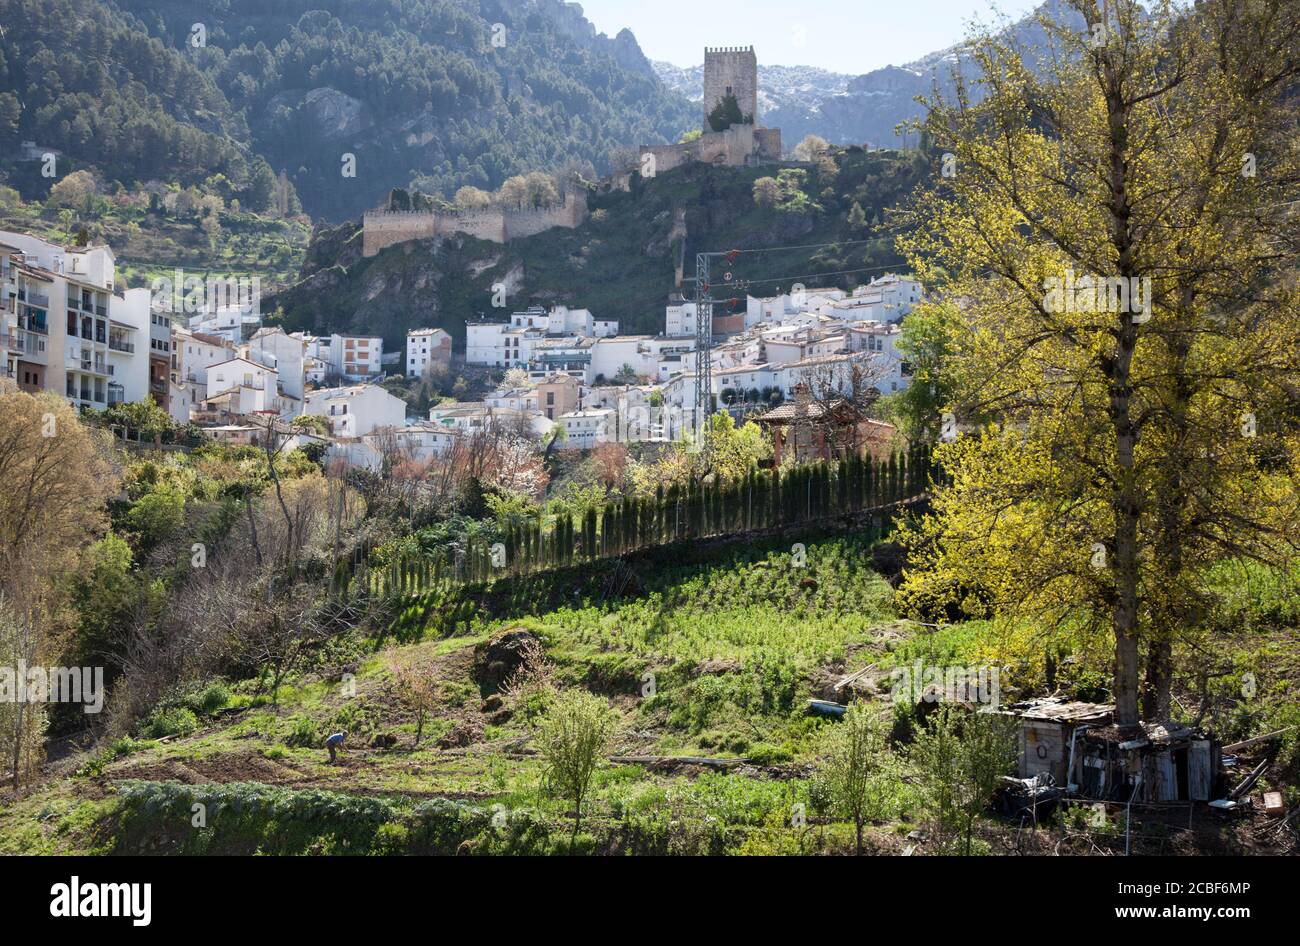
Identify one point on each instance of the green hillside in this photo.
(428, 92)
(707, 655)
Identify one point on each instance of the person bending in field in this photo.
(334, 743)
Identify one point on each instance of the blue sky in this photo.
(852, 36)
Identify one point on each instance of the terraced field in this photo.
(710, 660)
(707, 656)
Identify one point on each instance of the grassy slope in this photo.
(737, 639)
(736, 648)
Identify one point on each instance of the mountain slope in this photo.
(80, 78)
(426, 92)
(432, 93)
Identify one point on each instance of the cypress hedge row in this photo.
(763, 499)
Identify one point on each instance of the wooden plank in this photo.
(1043, 750)
(1252, 778)
(1167, 786)
(1254, 739)
(1200, 772)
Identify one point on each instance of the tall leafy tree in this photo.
(1115, 229)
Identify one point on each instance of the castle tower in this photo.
(731, 70)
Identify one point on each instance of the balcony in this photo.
(29, 324)
(117, 344)
(32, 297)
(32, 345)
(80, 362)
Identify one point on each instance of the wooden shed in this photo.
(1167, 762)
(1078, 745)
(1048, 732)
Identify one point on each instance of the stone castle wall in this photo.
(382, 228)
(734, 68)
(386, 228)
(738, 146)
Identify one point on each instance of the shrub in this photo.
(302, 732)
(854, 767)
(205, 702)
(170, 721)
(572, 741)
(392, 838)
(960, 757)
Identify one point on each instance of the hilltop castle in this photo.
(728, 72)
(381, 228)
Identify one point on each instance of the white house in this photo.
(193, 354)
(234, 323)
(253, 387)
(586, 428)
(500, 344)
(743, 379)
(356, 410)
(679, 318)
(515, 399)
(515, 342)
(422, 441)
(609, 356)
(893, 296)
(890, 371)
(425, 348)
(476, 417)
(285, 353)
(768, 309)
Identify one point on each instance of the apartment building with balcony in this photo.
(128, 355)
(29, 342)
(8, 313)
(86, 374)
(61, 319)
